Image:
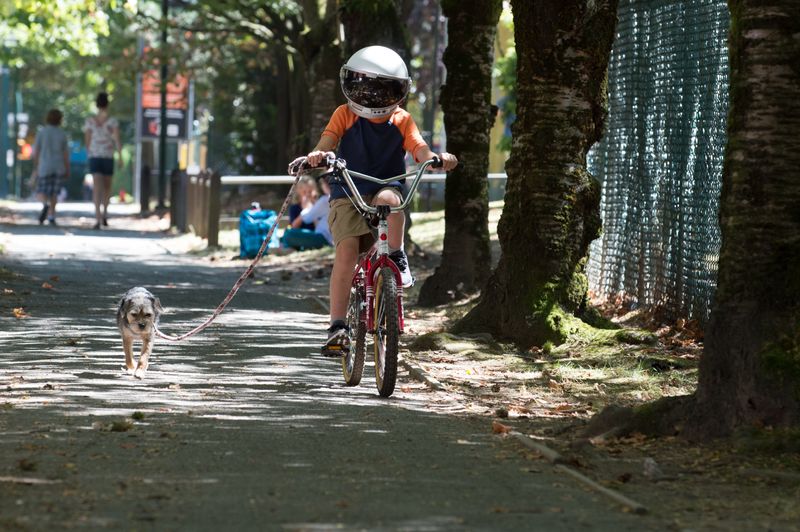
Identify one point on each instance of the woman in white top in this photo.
(102, 140)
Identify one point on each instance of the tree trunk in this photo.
(379, 22)
(321, 60)
(466, 102)
(750, 370)
(551, 209)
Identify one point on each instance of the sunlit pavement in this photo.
(244, 426)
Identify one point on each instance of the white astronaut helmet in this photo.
(375, 81)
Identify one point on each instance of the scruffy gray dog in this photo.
(137, 318)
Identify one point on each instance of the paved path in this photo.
(245, 427)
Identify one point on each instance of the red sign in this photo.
(177, 91)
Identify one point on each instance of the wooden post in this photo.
(214, 209)
(191, 202)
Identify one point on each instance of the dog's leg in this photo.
(127, 347)
(147, 348)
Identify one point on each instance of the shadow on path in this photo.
(243, 427)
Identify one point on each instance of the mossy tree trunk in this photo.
(750, 370)
(551, 211)
(468, 118)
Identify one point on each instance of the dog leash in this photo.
(296, 163)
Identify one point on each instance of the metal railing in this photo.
(288, 180)
(196, 199)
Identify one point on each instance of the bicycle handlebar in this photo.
(338, 168)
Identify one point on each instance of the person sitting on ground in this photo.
(50, 164)
(372, 134)
(305, 195)
(298, 237)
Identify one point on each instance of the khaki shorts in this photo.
(346, 222)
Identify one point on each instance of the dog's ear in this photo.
(125, 306)
(156, 304)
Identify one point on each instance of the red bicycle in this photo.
(376, 293)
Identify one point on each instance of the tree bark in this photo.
(468, 118)
(379, 22)
(750, 370)
(551, 211)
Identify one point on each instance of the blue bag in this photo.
(254, 224)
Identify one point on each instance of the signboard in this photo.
(177, 106)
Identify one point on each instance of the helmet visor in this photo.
(373, 92)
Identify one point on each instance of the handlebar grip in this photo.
(437, 162)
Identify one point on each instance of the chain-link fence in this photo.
(660, 161)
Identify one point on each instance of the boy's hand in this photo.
(449, 161)
(316, 157)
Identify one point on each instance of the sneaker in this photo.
(105, 221)
(43, 214)
(399, 257)
(52, 221)
(338, 343)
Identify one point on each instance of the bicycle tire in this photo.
(353, 361)
(387, 332)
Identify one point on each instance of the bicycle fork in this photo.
(382, 259)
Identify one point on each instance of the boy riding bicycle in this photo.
(373, 135)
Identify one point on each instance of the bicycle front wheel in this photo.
(387, 332)
(353, 361)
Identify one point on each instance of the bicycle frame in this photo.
(378, 256)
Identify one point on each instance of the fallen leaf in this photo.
(47, 286)
(499, 428)
(20, 313)
(563, 408)
(54, 278)
(8, 291)
(27, 465)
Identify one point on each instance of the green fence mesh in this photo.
(660, 161)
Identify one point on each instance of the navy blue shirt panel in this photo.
(372, 149)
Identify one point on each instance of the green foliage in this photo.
(52, 30)
(505, 75)
(63, 53)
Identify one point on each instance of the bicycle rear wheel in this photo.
(387, 332)
(353, 361)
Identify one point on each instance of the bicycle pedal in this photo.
(334, 351)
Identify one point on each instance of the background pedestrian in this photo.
(102, 140)
(50, 164)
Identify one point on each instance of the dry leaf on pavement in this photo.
(499, 428)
